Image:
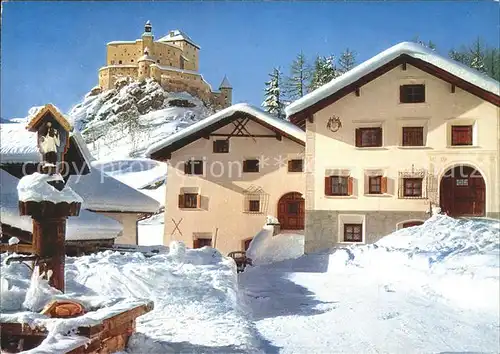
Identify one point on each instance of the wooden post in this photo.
(49, 243)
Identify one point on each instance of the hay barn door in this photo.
(291, 213)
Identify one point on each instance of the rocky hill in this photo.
(123, 122)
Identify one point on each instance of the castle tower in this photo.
(144, 63)
(147, 38)
(226, 92)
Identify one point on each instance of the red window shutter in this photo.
(358, 138)
(196, 243)
(349, 185)
(181, 200)
(383, 184)
(328, 185)
(290, 166)
(198, 201)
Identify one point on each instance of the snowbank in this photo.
(194, 292)
(266, 248)
(35, 188)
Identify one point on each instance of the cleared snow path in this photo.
(379, 300)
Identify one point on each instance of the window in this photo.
(377, 185)
(412, 93)
(119, 62)
(254, 205)
(293, 208)
(412, 187)
(461, 135)
(295, 165)
(353, 232)
(202, 242)
(413, 136)
(368, 137)
(193, 167)
(132, 60)
(112, 62)
(189, 201)
(338, 185)
(221, 146)
(251, 166)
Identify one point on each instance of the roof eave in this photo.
(299, 118)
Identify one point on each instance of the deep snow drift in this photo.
(426, 289)
(194, 294)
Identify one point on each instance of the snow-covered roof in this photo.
(283, 126)
(178, 35)
(88, 225)
(121, 42)
(414, 50)
(19, 146)
(225, 83)
(101, 192)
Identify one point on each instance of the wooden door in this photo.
(463, 192)
(291, 213)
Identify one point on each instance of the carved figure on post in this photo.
(49, 143)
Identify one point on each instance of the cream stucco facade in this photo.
(378, 105)
(128, 236)
(225, 190)
(173, 61)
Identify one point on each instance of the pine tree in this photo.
(492, 63)
(429, 44)
(272, 102)
(347, 61)
(324, 71)
(300, 75)
(477, 53)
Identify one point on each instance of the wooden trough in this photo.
(109, 336)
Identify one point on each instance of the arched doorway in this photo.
(291, 213)
(463, 192)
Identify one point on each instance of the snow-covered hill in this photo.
(123, 122)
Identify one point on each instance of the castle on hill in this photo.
(172, 61)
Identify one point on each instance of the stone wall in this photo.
(322, 226)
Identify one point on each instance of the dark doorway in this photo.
(291, 213)
(463, 192)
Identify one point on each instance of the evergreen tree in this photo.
(324, 71)
(300, 75)
(347, 61)
(273, 102)
(477, 53)
(492, 63)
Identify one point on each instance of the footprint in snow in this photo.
(389, 315)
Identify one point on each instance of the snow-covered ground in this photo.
(196, 307)
(427, 289)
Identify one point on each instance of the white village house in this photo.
(404, 132)
(101, 193)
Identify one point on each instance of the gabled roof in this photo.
(35, 120)
(86, 226)
(225, 83)
(178, 35)
(406, 52)
(220, 119)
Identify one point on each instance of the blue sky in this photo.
(51, 51)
